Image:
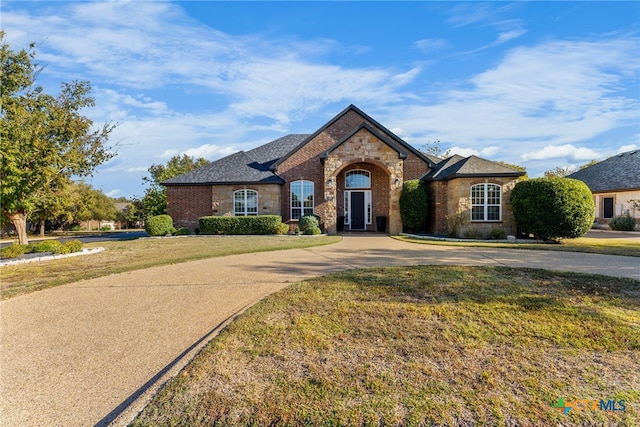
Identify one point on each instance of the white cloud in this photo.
(487, 152)
(431, 45)
(626, 148)
(561, 151)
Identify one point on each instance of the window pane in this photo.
(493, 194)
(301, 198)
(477, 194)
(252, 203)
(493, 213)
(477, 213)
(358, 179)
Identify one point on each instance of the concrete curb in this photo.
(49, 257)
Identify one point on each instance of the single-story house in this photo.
(615, 184)
(349, 172)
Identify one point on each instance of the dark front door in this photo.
(357, 210)
(608, 207)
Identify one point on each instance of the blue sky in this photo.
(539, 84)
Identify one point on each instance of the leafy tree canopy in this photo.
(44, 139)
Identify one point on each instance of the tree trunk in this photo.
(41, 228)
(19, 220)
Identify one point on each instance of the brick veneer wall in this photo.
(438, 209)
(186, 204)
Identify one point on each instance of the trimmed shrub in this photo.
(497, 234)
(73, 245)
(159, 225)
(312, 231)
(14, 250)
(239, 225)
(413, 205)
(623, 223)
(309, 222)
(183, 231)
(52, 246)
(282, 228)
(553, 208)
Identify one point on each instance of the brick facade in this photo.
(350, 141)
(186, 204)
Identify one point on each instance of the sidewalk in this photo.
(94, 352)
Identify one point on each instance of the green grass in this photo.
(625, 247)
(414, 346)
(127, 255)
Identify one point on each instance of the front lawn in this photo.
(427, 345)
(625, 247)
(128, 255)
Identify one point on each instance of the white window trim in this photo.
(485, 205)
(302, 208)
(245, 192)
(368, 208)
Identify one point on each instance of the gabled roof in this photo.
(250, 167)
(620, 172)
(401, 153)
(390, 136)
(466, 167)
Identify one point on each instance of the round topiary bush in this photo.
(309, 223)
(553, 208)
(159, 225)
(413, 205)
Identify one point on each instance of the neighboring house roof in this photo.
(620, 172)
(250, 167)
(467, 167)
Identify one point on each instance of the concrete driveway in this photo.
(94, 352)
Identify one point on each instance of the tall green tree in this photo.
(155, 197)
(44, 139)
(90, 204)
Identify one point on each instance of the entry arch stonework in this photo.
(364, 151)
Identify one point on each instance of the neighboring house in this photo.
(615, 184)
(349, 172)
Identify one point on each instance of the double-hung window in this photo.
(486, 202)
(245, 203)
(301, 199)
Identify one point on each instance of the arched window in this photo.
(245, 203)
(357, 179)
(486, 202)
(301, 198)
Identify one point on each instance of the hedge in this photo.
(238, 225)
(553, 208)
(413, 205)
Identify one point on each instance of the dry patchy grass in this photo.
(625, 247)
(127, 255)
(419, 346)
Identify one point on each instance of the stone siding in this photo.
(459, 203)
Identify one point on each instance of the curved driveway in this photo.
(94, 352)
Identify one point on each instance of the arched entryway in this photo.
(362, 197)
